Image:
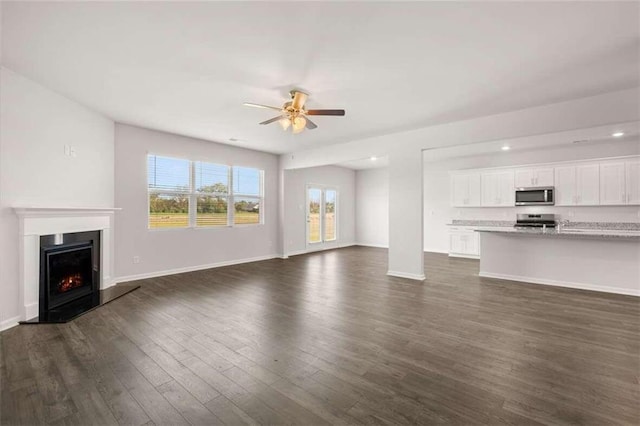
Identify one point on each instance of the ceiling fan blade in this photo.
(261, 106)
(280, 117)
(325, 112)
(299, 98)
(310, 124)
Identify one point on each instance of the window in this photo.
(185, 193)
(247, 188)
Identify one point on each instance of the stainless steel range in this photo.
(536, 220)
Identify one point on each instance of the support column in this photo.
(406, 254)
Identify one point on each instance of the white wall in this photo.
(36, 124)
(295, 182)
(438, 212)
(372, 207)
(163, 251)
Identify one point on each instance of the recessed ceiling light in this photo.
(506, 148)
(374, 158)
(618, 134)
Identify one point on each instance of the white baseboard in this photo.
(373, 245)
(297, 252)
(464, 256)
(8, 323)
(31, 310)
(107, 282)
(418, 277)
(191, 268)
(427, 250)
(581, 286)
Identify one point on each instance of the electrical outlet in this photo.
(72, 152)
(136, 259)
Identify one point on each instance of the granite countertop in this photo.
(499, 223)
(568, 232)
(580, 229)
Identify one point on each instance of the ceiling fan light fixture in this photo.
(293, 114)
(285, 123)
(298, 124)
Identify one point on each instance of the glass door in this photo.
(322, 216)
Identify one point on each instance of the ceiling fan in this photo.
(294, 115)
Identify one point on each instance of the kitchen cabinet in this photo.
(565, 185)
(606, 182)
(612, 183)
(632, 178)
(465, 190)
(464, 242)
(588, 185)
(533, 177)
(497, 189)
(577, 185)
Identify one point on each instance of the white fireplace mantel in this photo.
(38, 221)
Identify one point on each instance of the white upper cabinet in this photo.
(565, 186)
(607, 182)
(544, 177)
(587, 185)
(465, 190)
(632, 175)
(577, 185)
(533, 177)
(474, 189)
(612, 183)
(497, 188)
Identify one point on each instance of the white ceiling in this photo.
(595, 136)
(601, 135)
(187, 67)
(366, 163)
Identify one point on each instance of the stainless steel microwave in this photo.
(543, 195)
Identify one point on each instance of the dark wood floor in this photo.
(328, 338)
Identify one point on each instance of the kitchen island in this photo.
(592, 259)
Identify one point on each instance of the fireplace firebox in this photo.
(69, 273)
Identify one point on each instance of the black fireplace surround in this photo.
(70, 278)
(69, 275)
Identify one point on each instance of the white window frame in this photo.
(193, 195)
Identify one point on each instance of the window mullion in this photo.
(230, 202)
(193, 201)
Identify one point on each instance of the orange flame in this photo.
(70, 282)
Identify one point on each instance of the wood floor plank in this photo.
(228, 412)
(190, 408)
(328, 337)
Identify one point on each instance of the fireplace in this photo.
(69, 272)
